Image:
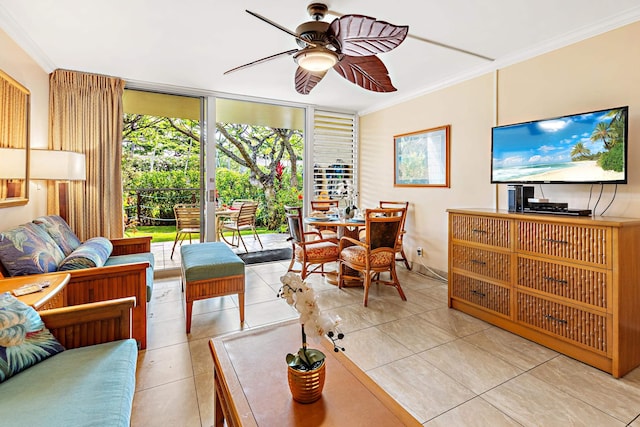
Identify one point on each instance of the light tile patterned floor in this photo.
(445, 367)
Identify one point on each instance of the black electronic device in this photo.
(550, 206)
(518, 197)
(578, 148)
(565, 211)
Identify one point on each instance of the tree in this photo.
(580, 152)
(155, 144)
(261, 150)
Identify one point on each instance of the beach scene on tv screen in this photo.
(578, 148)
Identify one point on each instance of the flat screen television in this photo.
(579, 148)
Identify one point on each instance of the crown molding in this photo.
(15, 31)
(572, 37)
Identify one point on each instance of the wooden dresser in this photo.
(569, 283)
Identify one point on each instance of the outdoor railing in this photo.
(154, 206)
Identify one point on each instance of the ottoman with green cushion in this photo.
(211, 270)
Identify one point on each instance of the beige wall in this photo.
(597, 73)
(15, 62)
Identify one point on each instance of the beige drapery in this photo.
(14, 122)
(85, 115)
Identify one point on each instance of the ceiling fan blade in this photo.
(367, 72)
(280, 27)
(259, 61)
(422, 39)
(307, 80)
(360, 35)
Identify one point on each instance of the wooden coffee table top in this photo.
(251, 385)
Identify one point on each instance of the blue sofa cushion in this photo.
(28, 249)
(92, 253)
(133, 258)
(60, 231)
(24, 340)
(88, 386)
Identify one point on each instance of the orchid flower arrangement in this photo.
(313, 323)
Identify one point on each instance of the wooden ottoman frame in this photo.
(211, 288)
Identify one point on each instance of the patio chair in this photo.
(308, 248)
(376, 254)
(187, 222)
(399, 248)
(244, 220)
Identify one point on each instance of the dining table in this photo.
(346, 227)
(223, 213)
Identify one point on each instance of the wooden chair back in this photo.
(383, 227)
(323, 205)
(247, 214)
(187, 216)
(396, 205)
(294, 221)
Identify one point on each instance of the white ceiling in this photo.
(190, 43)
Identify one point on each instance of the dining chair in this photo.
(324, 205)
(399, 246)
(187, 222)
(308, 248)
(376, 254)
(244, 220)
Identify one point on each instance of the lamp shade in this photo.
(316, 58)
(57, 165)
(13, 163)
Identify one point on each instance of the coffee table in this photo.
(250, 377)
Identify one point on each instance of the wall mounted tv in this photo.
(579, 148)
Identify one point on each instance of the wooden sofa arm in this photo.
(131, 245)
(106, 283)
(89, 324)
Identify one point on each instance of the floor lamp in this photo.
(59, 166)
(13, 167)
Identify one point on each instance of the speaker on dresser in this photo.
(518, 197)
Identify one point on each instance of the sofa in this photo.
(101, 269)
(91, 382)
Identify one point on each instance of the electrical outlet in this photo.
(419, 251)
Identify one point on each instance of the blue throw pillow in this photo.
(24, 340)
(28, 249)
(92, 253)
(60, 231)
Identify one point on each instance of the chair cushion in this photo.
(60, 232)
(28, 249)
(92, 253)
(358, 255)
(24, 340)
(319, 251)
(88, 386)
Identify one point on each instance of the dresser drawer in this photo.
(487, 295)
(587, 244)
(484, 230)
(580, 326)
(493, 265)
(582, 285)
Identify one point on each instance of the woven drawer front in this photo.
(479, 229)
(577, 325)
(582, 285)
(485, 294)
(574, 242)
(493, 265)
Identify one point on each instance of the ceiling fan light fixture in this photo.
(316, 59)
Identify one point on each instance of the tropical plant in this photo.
(580, 152)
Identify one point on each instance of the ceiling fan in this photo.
(349, 45)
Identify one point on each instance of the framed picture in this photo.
(422, 158)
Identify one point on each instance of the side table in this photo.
(50, 297)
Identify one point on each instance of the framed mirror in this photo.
(14, 142)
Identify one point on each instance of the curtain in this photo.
(85, 115)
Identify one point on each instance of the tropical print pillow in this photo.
(60, 231)
(28, 249)
(24, 340)
(92, 253)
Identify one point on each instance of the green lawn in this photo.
(167, 233)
